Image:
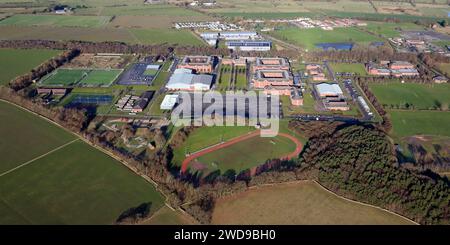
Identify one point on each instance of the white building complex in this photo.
(250, 45)
(184, 79)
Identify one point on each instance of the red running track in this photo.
(233, 141)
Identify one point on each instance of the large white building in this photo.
(249, 45)
(169, 102)
(184, 79)
(328, 90)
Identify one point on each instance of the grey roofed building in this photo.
(328, 89)
(183, 79)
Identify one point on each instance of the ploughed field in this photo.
(48, 176)
(302, 203)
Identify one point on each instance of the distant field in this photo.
(73, 184)
(356, 68)
(56, 20)
(409, 123)
(302, 203)
(421, 96)
(140, 10)
(246, 154)
(171, 36)
(308, 38)
(391, 29)
(15, 62)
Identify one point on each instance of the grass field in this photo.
(56, 20)
(247, 154)
(445, 67)
(300, 203)
(170, 36)
(225, 77)
(409, 123)
(356, 68)
(391, 29)
(421, 96)
(25, 136)
(81, 77)
(241, 78)
(165, 216)
(207, 136)
(69, 183)
(308, 38)
(100, 78)
(15, 62)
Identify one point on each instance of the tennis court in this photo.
(90, 99)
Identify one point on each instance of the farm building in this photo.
(169, 102)
(184, 79)
(249, 45)
(200, 64)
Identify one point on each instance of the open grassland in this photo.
(154, 21)
(387, 29)
(56, 20)
(247, 154)
(308, 38)
(75, 185)
(300, 203)
(66, 33)
(15, 62)
(139, 9)
(409, 123)
(61, 180)
(170, 36)
(419, 96)
(356, 68)
(166, 216)
(25, 136)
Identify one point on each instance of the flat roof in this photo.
(169, 101)
(328, 88)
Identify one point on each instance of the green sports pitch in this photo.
(80, 78)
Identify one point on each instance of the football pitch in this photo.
(80, 77)
(48, 176)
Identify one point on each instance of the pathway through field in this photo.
(207, 150)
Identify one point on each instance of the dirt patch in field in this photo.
(396, 10)
(153, 21)
(100, 62)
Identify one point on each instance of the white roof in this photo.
(153, 67)
(184, 79)
(169, 101)
(329, 88)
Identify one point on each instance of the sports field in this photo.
(246, 154)
(301, 203)
(409, 123)
(387, 29)
(308, 38)
(15, 62)
(419, 96)
(356, 68)
(56, 20)
(81, 77)
(59, 179)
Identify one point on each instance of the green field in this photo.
(15, 62)
(80, 77)
(98, 78)
(170, 36)
(247, 154)
(356, 68)
(387, 29)
(64, 77)
(225, 78)
(141, 10)
(419, 96)
(203, 137)
(241, 78)
(68, 183)
(304, 203)
(166, 216)
(56, 20)
(409, 123)
(308, 38)
(25, 136)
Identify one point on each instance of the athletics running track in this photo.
(190, 158)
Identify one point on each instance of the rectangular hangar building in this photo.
(184, 79)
